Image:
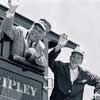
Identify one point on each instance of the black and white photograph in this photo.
(49, 49)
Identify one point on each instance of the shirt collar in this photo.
(74, 70)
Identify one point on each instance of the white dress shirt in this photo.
(74, 74)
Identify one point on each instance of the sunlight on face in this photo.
(37, 33)
(76, 59)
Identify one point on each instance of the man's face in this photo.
(37, 33)
(76, 59)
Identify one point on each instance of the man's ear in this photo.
(70, 57)
(81, 61)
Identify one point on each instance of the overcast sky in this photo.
(80, 18)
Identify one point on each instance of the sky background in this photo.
(80, 19)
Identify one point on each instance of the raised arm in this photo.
(7, 24)
(54, 53)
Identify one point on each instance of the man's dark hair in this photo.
(77, 53)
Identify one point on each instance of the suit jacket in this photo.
(63, 88)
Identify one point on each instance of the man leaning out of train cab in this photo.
(24, 40)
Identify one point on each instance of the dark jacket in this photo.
(63, 88)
